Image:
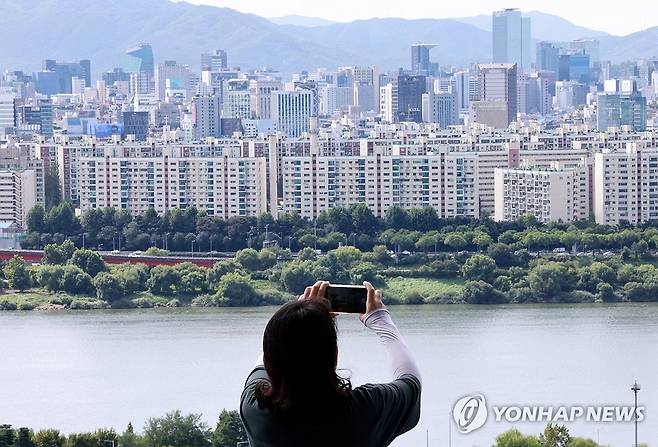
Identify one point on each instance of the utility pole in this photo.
(635, 388)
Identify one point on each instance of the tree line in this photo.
(420, 229)
(172, 429)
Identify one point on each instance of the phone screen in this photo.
(347, 298)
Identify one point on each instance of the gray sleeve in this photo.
(402, 361)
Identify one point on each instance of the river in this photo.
(81, 370)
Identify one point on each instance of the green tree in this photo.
(605, 292)
(221, 268)
(162, 280)
(455, 241)
(514, 438)
(36, 219)
(237, 290)
(174, 429)
(363, 220)
(7, 435)
(480, 292)
(582, 442)
(109, 287)
(89, 261)
(296, 275)
(81, 440)
(48, 277)
(55, 254)
(396, 217)
(229, 430)
(555, 436)
(307, 254)
(192, 283)
(62, 219)
(48, 438)
(51, 187)
(23, 438)
(248, 258)
(423, 219)
(17, 274)
(344, 257)
(75, 281)
(479, 267)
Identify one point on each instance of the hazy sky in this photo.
(615, 17)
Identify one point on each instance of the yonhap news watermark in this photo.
(472, 412)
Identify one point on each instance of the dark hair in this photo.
(300, 345)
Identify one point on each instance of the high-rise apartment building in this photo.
(550, 195)
(18, 195)
(221, 186)
(625, 185)
(445, 182)
(512, 41)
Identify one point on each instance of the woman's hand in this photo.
(374, 300)
(317, 290)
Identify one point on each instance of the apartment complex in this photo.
(221, 186)
(411, 165)
(446, 182)
(552, 194)
(18, 195)
(626, 185)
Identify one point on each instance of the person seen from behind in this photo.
(294, 396)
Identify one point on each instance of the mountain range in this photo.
(101, 30)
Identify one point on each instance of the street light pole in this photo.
(635, 388)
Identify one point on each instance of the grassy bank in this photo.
(40, 299)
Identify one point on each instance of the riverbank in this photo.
(41, 300)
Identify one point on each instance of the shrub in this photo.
(413, 297)
(7, 305)
(26, 306)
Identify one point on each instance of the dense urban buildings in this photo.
(547, 128)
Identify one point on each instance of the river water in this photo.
(81, 370)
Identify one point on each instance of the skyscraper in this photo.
(62, 72)
(498, 104)
(621, 105)
(420, 58)
(178, 74)
(140, 59)
(512, 39)
(410, 97)
(548, 56)
(214, 61)
(292, 111)
(141, 68)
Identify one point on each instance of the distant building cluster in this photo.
(548, 129)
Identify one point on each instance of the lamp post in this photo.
(635, 388)
(193, 241)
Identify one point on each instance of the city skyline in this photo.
(615, 21)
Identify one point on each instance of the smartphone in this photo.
(347, 298)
